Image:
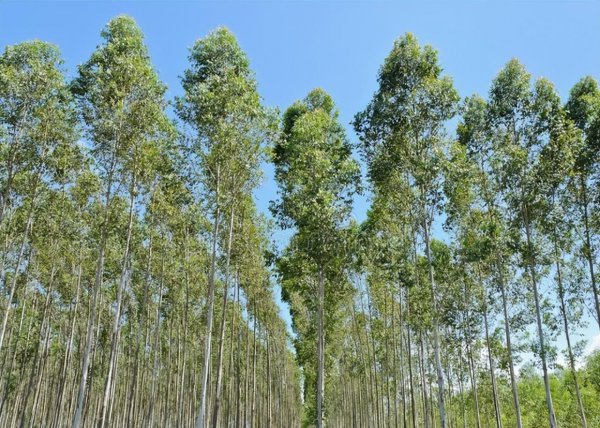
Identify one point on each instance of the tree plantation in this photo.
(140, 282)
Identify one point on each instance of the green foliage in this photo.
(135, 259)
(317, 178)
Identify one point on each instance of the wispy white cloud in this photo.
(592, 345)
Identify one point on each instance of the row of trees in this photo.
(429, 332)
(137, 274)
(133, 260)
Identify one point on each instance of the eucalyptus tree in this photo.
(521, 118)
(37, 130)
(37, 140)
(557, 160)
(248, 260)
(317, 178)
(475, 135)
(222, 106)
(385, 258)
(39, 162)
(472, 225)
(402, 130)
(583, 108)
(123, 107)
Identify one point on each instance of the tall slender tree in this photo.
(583, 108)
(222, 106)
(521, 117)
(475, 135)
(402, 129)
(317, 178)
(122, 103)
(38, 125)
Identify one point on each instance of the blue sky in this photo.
(295, 46)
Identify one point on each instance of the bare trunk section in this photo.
(436, 333)
(201, 419)
(492, 368)
(106, 408)
(13, 283)
(320, 350)
(219, 384)
(511, 366)
(85, 365)
(563, 311)
(531, 265)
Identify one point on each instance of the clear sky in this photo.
(295, 46)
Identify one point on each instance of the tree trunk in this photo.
(492, 369)
(67, 357)
(589, 253)
(511, 366)
(436, 333)
(13, 283)
(85, 366)
(112, 365)
(474, 386)
(532, 274)
(563, 311)
(219, 384)
(423, 381)
(204, 386)
(320, 350)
